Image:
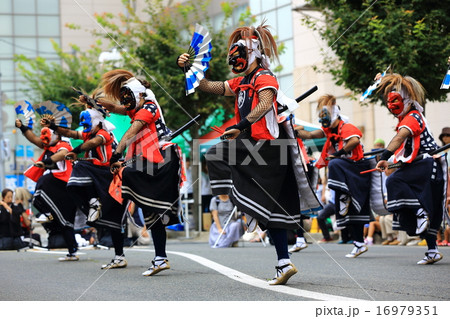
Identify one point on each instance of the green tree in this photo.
(367, 36)
(150, 42)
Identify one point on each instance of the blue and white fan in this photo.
(25, 109)
(373, 87)
(200, 55)
(446, 81)
(55, 111)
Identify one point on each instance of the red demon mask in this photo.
(395, 103)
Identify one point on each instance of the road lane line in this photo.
(52, 252)
(252, 281)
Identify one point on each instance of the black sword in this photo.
(183, 128)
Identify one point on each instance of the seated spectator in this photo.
(378, 201)
(374, 227)
(55, 237)
(446, 241)
(387, 233)
(136, 230)
(255, 237)
(10, 227)
(405, 239)
(221, 208)
(22, 199)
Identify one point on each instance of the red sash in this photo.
(115, 188)
(34, 172)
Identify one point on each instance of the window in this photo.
(271, 20)
(48, 26)
(26, 46)
(287, 58)
(5, 7)
(287, 85)
(284, 2)
(6, 47)
(25, 25)
(255, 6)
(24, 6)
(47, 7)
(5, 25)
(237, 14)
(45, 47)
(7, 69)
(267, 5)
(284, 27)
(7, 86)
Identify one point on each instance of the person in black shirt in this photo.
(10, 227)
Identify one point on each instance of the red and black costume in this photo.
(51, 196)
(153, 180)
(91, 179)
(417, 184)
(345, 179)
(247, 179)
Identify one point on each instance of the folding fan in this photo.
(446, 81)
(26, 109)
(55, 111)
(200, 55)
(373, 87)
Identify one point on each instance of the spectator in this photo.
(22, 199)
(221, 208)
(137, 231)
(378, 200)
(188, 187)
(206, 187)
(10, 227)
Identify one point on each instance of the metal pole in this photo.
(186, 203)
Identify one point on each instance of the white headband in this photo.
(407, 101)
(136, 87)
(253, 45)
(97, 118)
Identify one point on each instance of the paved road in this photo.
(200, 273)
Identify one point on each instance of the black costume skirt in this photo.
(92, 181)
(344, 178)
(155, 187)
(420, 184)
(51, 197)
(265, 179)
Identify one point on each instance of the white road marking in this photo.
(252, 281)
(52, 252)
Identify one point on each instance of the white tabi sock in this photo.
(359, 244)
(283, 262)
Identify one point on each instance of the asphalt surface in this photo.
(201, 273)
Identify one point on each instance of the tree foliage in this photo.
(150, 42)
(367, 36)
